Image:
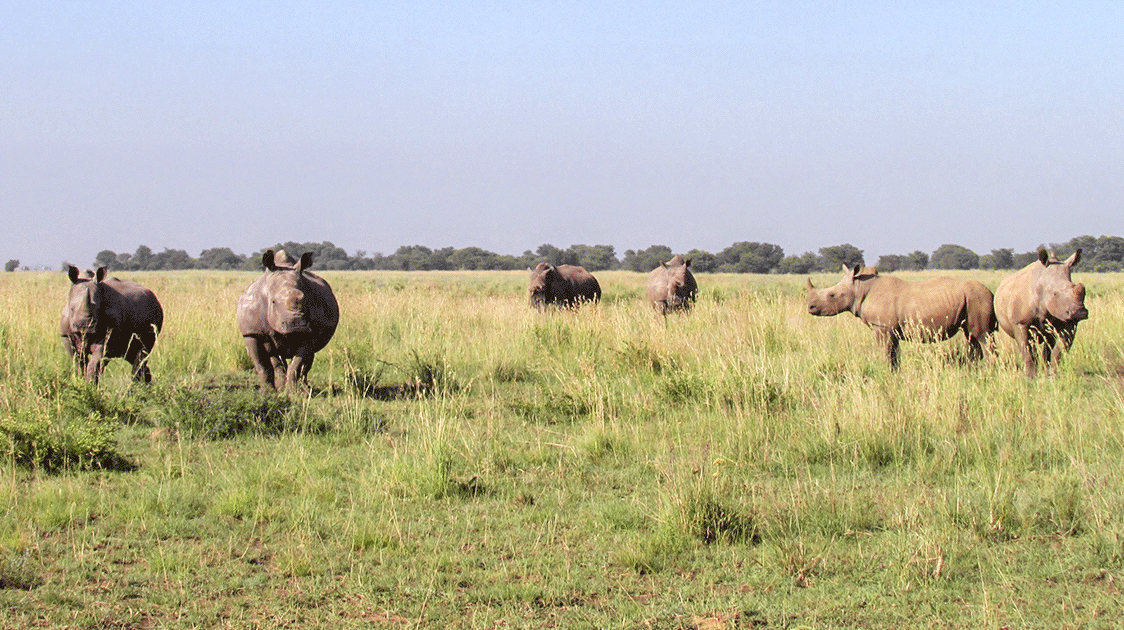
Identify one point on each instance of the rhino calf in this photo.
(1040, 305)
(671, 286)
(286, 316)
(565, 285)
(105, 318)
(931, 310)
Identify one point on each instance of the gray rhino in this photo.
(1040, 305)
(105, 318)
(671, 286)
(565, 285)
(286, 316)
(931, 310)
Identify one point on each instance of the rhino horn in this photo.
(810, 287)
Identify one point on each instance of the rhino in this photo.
(931, 310)
(105, 318)
(1041, 305)
(565, 285)
(286, 316)
(671, 286)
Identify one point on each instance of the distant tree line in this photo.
(1105, 253)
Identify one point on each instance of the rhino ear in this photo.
(1043, 256)
(100, 274)
(663, 264)
(72, 272)
(306, 261)
(267, 260)
(687, 262)
(856, 271)
(1074, 259)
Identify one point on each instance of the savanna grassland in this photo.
(462, 461)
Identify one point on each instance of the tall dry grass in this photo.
(457, 451)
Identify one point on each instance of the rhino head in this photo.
(286, 311)
(834, 299)
(677, 291)
(85, 301)
(542, 276)
(1062, 298)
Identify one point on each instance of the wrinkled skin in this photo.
(931, 310)
(285, 317)
(671, 286)
(106, 318)
(1041, 306)
(564, 285)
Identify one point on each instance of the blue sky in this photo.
(894, 126)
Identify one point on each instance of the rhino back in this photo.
(132, 307)
(939, 303)
(578, 283)
(1016, 301)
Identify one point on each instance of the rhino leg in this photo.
(137, 355)
(1053, 348)
(890, 341)
(95, 363)
(975, 345)
(78, 354)
(1026, 348)
(262, 359)
(141, 373)
(298, 368)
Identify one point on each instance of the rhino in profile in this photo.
(565, 285)
(931, 310)
(1040, 305)
(105, 318)
(671, 286)
(286, 316)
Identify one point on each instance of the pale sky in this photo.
(894, 126)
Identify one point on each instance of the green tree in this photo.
(555, 256)
(171, 259)
(142, 257)
(219, 258)
(747, 257)
(645, 260)
(916, 261)
(473, 258)
(1109, 254)
(106, 258)
(1087, 244)
(701, 261)
(833, 258)
(595, 257)
(12, 265)
(891, 262)
(804, 263)
(413, 258)
(954, 257)
(1004, 258)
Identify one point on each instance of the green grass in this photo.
(462, 461)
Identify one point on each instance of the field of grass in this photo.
(462, 461)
